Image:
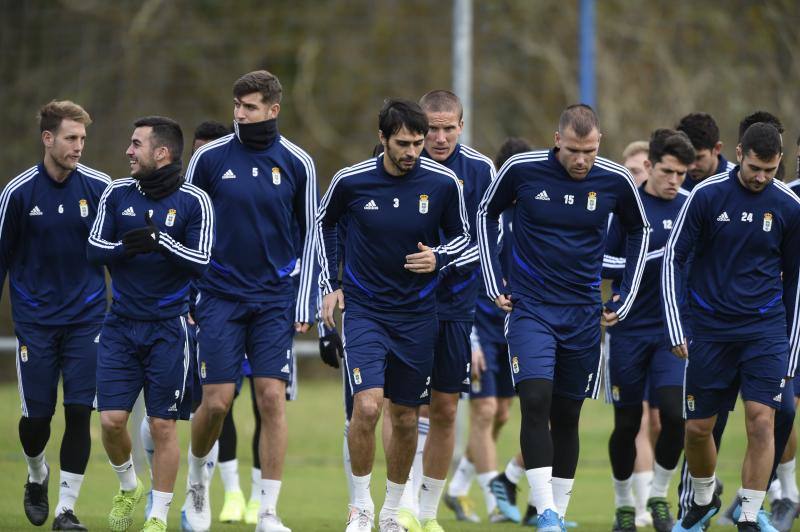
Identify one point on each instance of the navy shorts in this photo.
(150, 355)
(46, 353)
(716, 371)
(229, 329)
(638, 366)
(560, 343)
(797, 385)
(496, 379)
(394, 355)
(452, 357)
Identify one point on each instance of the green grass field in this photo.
(314, 495)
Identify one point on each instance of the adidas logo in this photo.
(465, 381)
(423, 395)
(64, 484)
(723, 217)
(542, 196)
(229, 175)
(129, 212)
(173, 408)
(285, 368)
(371, 206)
(36, 211)
(777, 397)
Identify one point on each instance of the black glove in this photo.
(142, 240)
(331, 349)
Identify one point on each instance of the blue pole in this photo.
(587, 52)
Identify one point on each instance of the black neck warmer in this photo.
(258, 135)
(162, 182)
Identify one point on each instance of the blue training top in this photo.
(560, 226)
(265, 202)
(386, 217)
(43, 230)
(153, 286)
(742, 281)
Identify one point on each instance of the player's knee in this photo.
(271, 401)
(698, 429)
(404, 419)
(535, 396)
(627, 421)
(483, 412)
(161, 429)
(443, 411)
(565, 412)
(216, 405)
(113, 422)
(760, 425)
(366, 409)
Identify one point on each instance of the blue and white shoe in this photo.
(505, 492)
(697, 516)
(548, 521)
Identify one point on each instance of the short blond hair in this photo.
(635, 148)
(51, 115)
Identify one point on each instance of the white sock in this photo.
(751, 504)
(540, 480)
(255, 484)
(623, 492)
(774, 490)
(787, 475)
(37, 468)
(348, 471)
(483, 480)
(641, 490)
(410, 500)
(147, 442)
(160, 508)
(68, 489)
(229, 471)
(362, 499)
(392, 501)
(127, 475)
(462, 478)
(661, 479)
(514, 471)
(211, 461)
(703, 490)
(197, 468)
(270, 489)
(416, 466)
(429, 495)
(562, 491)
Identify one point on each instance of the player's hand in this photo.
(190, 319)
(504, 302)
(143, 239)
(478, 365)
(609, 318)
(331, 349)
(681, 351)
(301, 327)
(422, 262)
(329, 304)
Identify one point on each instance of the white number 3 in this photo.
(396, 203)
